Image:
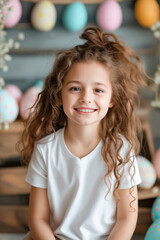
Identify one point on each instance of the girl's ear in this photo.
(111, 104)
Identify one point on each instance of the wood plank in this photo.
(144, 220)
(149, 193)
(12, 181)
(30, 51)
(15, 127)
(70, 1)
(13, 219)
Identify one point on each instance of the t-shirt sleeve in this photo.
(129, 171)
(37, 171)
(131, 175)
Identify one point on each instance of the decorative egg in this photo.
(8, 107)
(40, 84)
(44, 16)
(14, 91)
(75, 16)
(153, 231)
(27, 101)
(156, 209)
(13, 16)
(147, 12)
(156, 162)
(109, 15)
(147, 172)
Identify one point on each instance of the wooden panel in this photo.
(144, 220)
(13, 219)
(12, 181)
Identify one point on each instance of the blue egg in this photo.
(153, 231)
(8, 107)
(156, 209)
(39, 84)
(75, 16)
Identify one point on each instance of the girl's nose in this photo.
(85, 97)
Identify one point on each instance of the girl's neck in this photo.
(81, 140)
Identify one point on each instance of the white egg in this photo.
(147, 172)
(43, 16)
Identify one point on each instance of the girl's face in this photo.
(86, 93)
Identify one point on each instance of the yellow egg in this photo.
(147, 12)
(43, 16)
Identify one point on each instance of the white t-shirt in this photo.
(79, 207)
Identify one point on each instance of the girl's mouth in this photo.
(85, 110)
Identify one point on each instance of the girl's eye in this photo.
(75, 89)
(98, 90)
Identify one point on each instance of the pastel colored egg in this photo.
(14, 91)
(156, 162)
(155, 211)
(153, 231)
(75, 16)
(44, 16)
(109, 15)
(40, 84)
(12, 17)
(27, 101)
(147, 172)
(147, 12)
(8, 107)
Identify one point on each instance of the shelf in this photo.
(15, 127)
(149, 193)
(70, 1)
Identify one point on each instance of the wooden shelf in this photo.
(70, 1)
(149, 193)
(15, 127)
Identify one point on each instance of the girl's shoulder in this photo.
(51, 138)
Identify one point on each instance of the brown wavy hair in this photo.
(127, 75)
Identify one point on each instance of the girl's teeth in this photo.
(85, 110)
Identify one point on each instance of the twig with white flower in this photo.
(156, 32)
(6, 44)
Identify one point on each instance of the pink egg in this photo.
(27, 101)
(109, 15)
(12, 17)
(156, 162)
(15, 92)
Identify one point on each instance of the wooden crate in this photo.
(13, 218)
(9, 138)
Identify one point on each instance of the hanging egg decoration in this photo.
(44, 16)
(75, 16)
(147, 12)
(147, 173)
(12, 13)
(15, 92)
(8, 108)
(109, 15)
(27, 101)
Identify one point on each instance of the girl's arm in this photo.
(126, 216)
(39, 213)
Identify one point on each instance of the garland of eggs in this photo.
(74, 16)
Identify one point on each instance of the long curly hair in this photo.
(127, 75)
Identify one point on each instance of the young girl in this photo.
(80, 143)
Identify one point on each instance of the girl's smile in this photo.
(86, 93)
